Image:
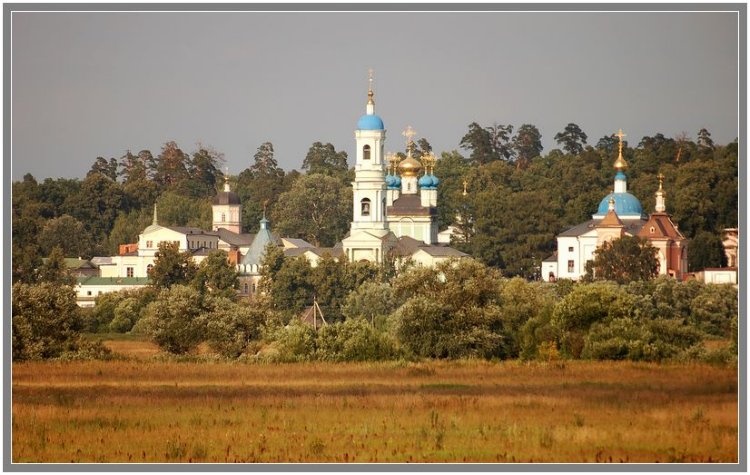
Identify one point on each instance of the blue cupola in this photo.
(370, 122)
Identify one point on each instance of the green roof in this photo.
(96, 280)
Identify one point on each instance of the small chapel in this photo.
(619, 214)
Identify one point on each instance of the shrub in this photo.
(232, 326)
(174, 320)
(630, 338)
(354, 340)
(295, 342)
(45, 321)
(585, 305)
(714, 308)
(371, 300)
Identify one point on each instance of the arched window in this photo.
(148, 269)
(254, 288)
(245, 288)
(223, 217)
(365, 207)
(366, 152)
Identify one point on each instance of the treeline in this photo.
(460, 309)
(516, 200)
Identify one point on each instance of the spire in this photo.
(466, 183)
(661, 205)
(620, 163)
(156, 221)
(370, 95)
(226, 183)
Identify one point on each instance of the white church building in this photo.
(394, 217)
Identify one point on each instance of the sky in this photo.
(98, 84)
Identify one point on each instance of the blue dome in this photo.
(389, 180)
(620, 176)
(425, 182)
(435, 181)
(370, 122)
(625, 205)
(395, 182)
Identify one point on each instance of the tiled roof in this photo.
(662, 226)
(611, 220)
(632, 226)
(244, 239)
(409, 205)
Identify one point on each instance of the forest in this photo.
(517, 197)
(516, 200)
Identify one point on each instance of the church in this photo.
(394, 218)
(619, 214)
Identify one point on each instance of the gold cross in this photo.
(408, 133)
(661, 179)
(621, 135)
(369, 73)
(466, 183)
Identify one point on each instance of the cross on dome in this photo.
(409, 133)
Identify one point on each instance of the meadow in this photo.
(150, 408)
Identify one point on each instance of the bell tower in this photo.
(369, 170)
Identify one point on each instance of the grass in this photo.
(149, 410)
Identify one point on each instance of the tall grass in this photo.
(466, 411)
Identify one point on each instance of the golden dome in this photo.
(409, 167)
(620, 163)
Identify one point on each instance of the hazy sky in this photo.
(98, 84)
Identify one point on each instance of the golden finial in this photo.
(466, 183)
(661, 181)
(370, 94)
(429, 163)
(620, 163)
(408, 133)
(392, 161)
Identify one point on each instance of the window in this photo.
(148, 268)
(129, 271)
(570, 249)
(571, 266)
(149, 244)
(253, 287)
(223, 217)
(652, 230)
(88, 292)
(366, 152)
(365, 207)
(245, 288)
(210, 245)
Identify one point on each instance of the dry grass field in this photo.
(147, 410)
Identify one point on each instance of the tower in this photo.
(369, 180)
(227, 210)
(369, 237)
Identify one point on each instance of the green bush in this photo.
(714, 308)
(371, 301)
(585, 305)
(174, 320)
(295, 342)
(46, 321)
(232, 326)
(638, 340)
(354, 340)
